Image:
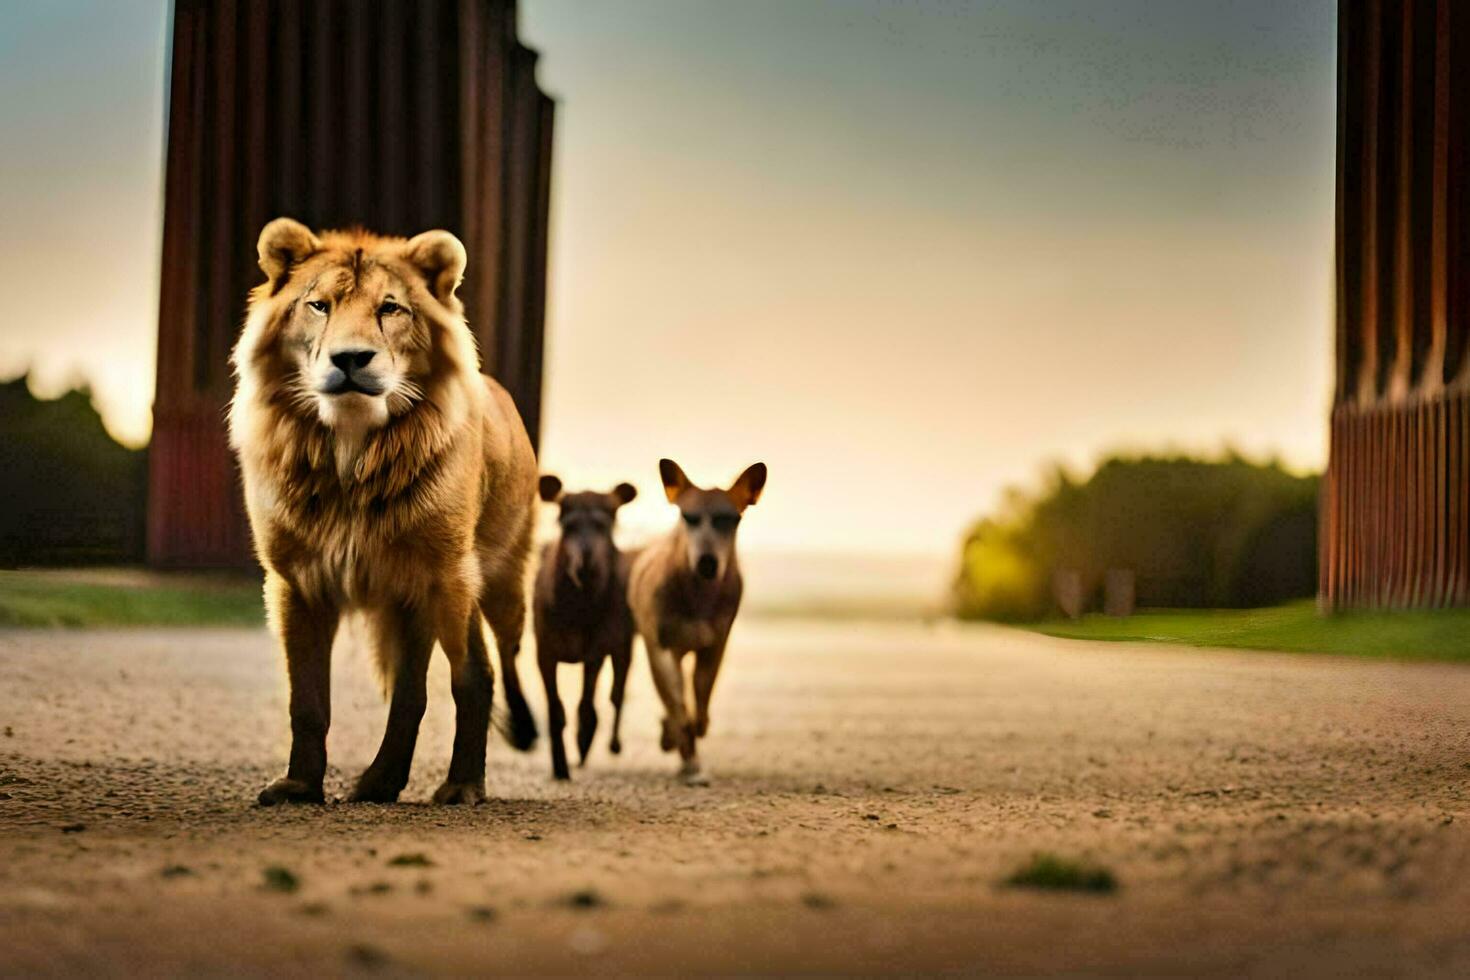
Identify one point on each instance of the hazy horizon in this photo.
(906, 254)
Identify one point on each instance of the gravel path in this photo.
(1265, 814)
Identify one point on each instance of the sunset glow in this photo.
(904, 254)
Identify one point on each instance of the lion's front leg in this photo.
(405, 638)
(305, 631)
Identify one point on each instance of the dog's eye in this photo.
(389, 308)
(320, 305)
(691, 519)
(725, 523)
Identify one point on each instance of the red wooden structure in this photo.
(1396, 498)
(397, 115)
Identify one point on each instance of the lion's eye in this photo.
(389, 308)
(320, 305)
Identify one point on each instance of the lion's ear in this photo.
(283, 244)
(441, 258)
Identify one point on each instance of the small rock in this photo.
(73, 828)
(376, 888)
(587, 898)
(415, 860)
(367, 956)
(482, 913)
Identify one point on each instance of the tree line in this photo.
(72, 494)
(1192, 532)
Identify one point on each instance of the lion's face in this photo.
(357, 344)
(353, 326)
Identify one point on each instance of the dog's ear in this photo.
(284, 244)
(440, 258)
(675, 482)
(747, 489)
(624, 493)
(550, 488)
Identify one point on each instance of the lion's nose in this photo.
(348, 361)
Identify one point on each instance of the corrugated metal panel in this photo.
(390, 114)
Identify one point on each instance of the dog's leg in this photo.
(410, 635)
(305, 632)
(586, 710)
(473, 683)
(706, 669)
(556, 716)
(504, 605)
(678, 730)
(622, 659)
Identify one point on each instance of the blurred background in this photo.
(1026, 305)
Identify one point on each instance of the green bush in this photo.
(1195, 533)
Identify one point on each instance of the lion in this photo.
(383, 474)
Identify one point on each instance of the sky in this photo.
(905, 253)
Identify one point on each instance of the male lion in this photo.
(384, 474)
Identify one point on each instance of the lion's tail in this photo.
(515, 724)
(385, 668)
(356, 634)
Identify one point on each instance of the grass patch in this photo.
(94, 598)
(1430, 634)
(279, 879)
(1053, 873)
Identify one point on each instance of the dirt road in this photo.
(1264, 814)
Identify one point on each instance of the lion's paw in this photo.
(371, 789)
(287, 790)
(451, 794)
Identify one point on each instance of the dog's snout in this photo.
(348, 361)
(707, 566)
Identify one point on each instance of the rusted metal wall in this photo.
(397, 115)
(1396, 498)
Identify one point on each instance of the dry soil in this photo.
(873, 786)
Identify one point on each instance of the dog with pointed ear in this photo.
(364, 427)
(684, 591)
(580, 611)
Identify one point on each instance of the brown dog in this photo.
(580, 611)
(684, 591)
(384, 474)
